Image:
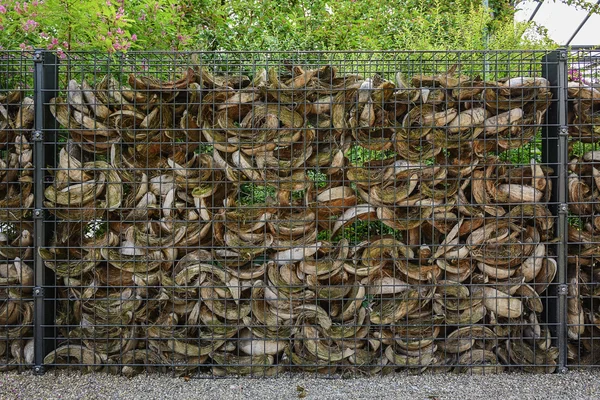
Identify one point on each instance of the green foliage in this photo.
(524, 154)
(62, 136)
(10, 230)
(362, 230)
(319, 178)
(298, 194)
(107, 25)
(95, 228)
(251, 193)
(358, 155)
(324, 235)
(118, 25)
(575, 221)
(204, 149)
(583, 5)
(578, 149)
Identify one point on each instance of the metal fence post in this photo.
(45, 88)
(554, 153)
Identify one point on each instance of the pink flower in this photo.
(30, 25)
(44, 35)
(119, 31)
(134, 37)
(2, 9)
(54, 41)
(22, 46)
(61, 54)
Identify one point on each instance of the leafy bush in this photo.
(108, 25)
(118, 25)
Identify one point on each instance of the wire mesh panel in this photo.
(338, 213)
(584, 183)
(16, 200)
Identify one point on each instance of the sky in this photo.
(562, 21)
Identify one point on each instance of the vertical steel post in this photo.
(45, 86)
(554, 153)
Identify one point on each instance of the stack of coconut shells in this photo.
(186, 275)
(584, 225)
(16, 240)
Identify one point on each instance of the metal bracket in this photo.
(562, 55)
(563, 370)
(563, 208)
(37, 213)
(563, 290)
(563, 131)
(38, 370)
(37, 57)
(37, 136)
(38, 292)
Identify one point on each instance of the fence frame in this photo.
(45, 87)
(555, 131)
(554, 152)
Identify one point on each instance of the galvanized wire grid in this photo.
(583, 186)
(16, 200)
(337, 213)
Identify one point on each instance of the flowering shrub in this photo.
(119, 25)
(107, 25)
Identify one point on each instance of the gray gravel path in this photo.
(69, 385)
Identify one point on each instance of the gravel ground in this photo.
(69, 385)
